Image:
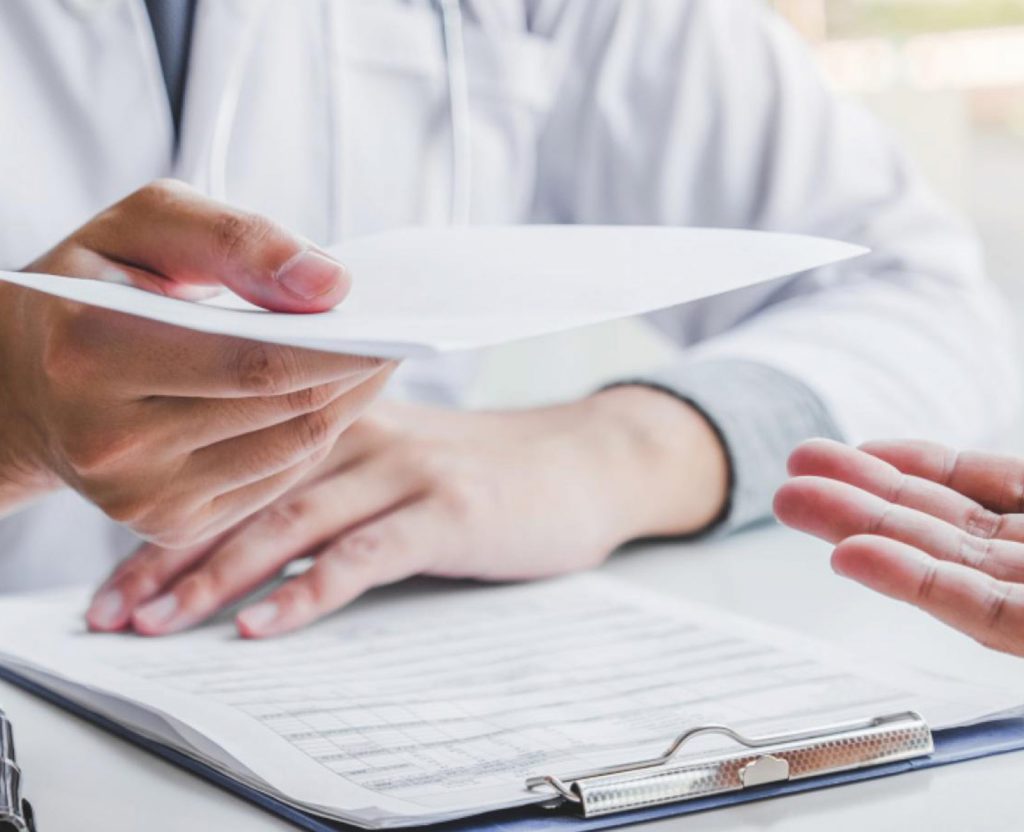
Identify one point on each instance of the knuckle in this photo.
(360, 364)
(298, 595)
(155, 196)
(236, 233)
(974, 552)
(259, 369)
(459, 498)
(983, 523)
(160, 190)
(323, 586)
(926, 588)
(996, 608)
(196, 591)
(310, 398)
(150, 195)
(316, 593)
(883, 523)
(421, 460)
(314, 430)
(360, 546)
(285, 517)
(898, 490)
(217, 576)
(139, 583)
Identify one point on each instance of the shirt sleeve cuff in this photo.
(760, 414)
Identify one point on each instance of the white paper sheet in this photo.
(418, 705)
(423, 291)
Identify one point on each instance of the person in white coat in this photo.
(304, 123)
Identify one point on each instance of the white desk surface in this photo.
(81, 779)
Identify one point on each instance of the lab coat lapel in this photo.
(222, 33)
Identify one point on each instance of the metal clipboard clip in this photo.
(761, 761)
(15, 812)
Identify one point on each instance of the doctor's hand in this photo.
(415, 490)
(921, 523)
(174, 433)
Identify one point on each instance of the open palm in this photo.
(940, 529)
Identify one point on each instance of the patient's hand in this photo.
(410, 490)
(921, 523)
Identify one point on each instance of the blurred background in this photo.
(947, 76)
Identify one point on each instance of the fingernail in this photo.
(257, 618)
(157, 614)
(106, 609)
(310, 274)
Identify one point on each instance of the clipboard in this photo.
(759, 761)
(631, 793)
(15, 810)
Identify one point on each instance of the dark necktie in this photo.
(172, 28)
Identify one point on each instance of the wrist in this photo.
(669, 465)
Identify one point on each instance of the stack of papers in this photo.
(431, 702)
(425, 291)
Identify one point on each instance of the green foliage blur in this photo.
(857, 18)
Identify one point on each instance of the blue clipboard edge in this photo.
(953, 745)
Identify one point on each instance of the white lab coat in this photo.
(334, 118)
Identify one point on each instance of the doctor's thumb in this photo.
(206, 242)
(282, 275)
(308, 281)
(270, 267)
(171, 232)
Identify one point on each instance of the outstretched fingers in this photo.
(989, 610)
(993, 480)
(834, 511)
(874, 474)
